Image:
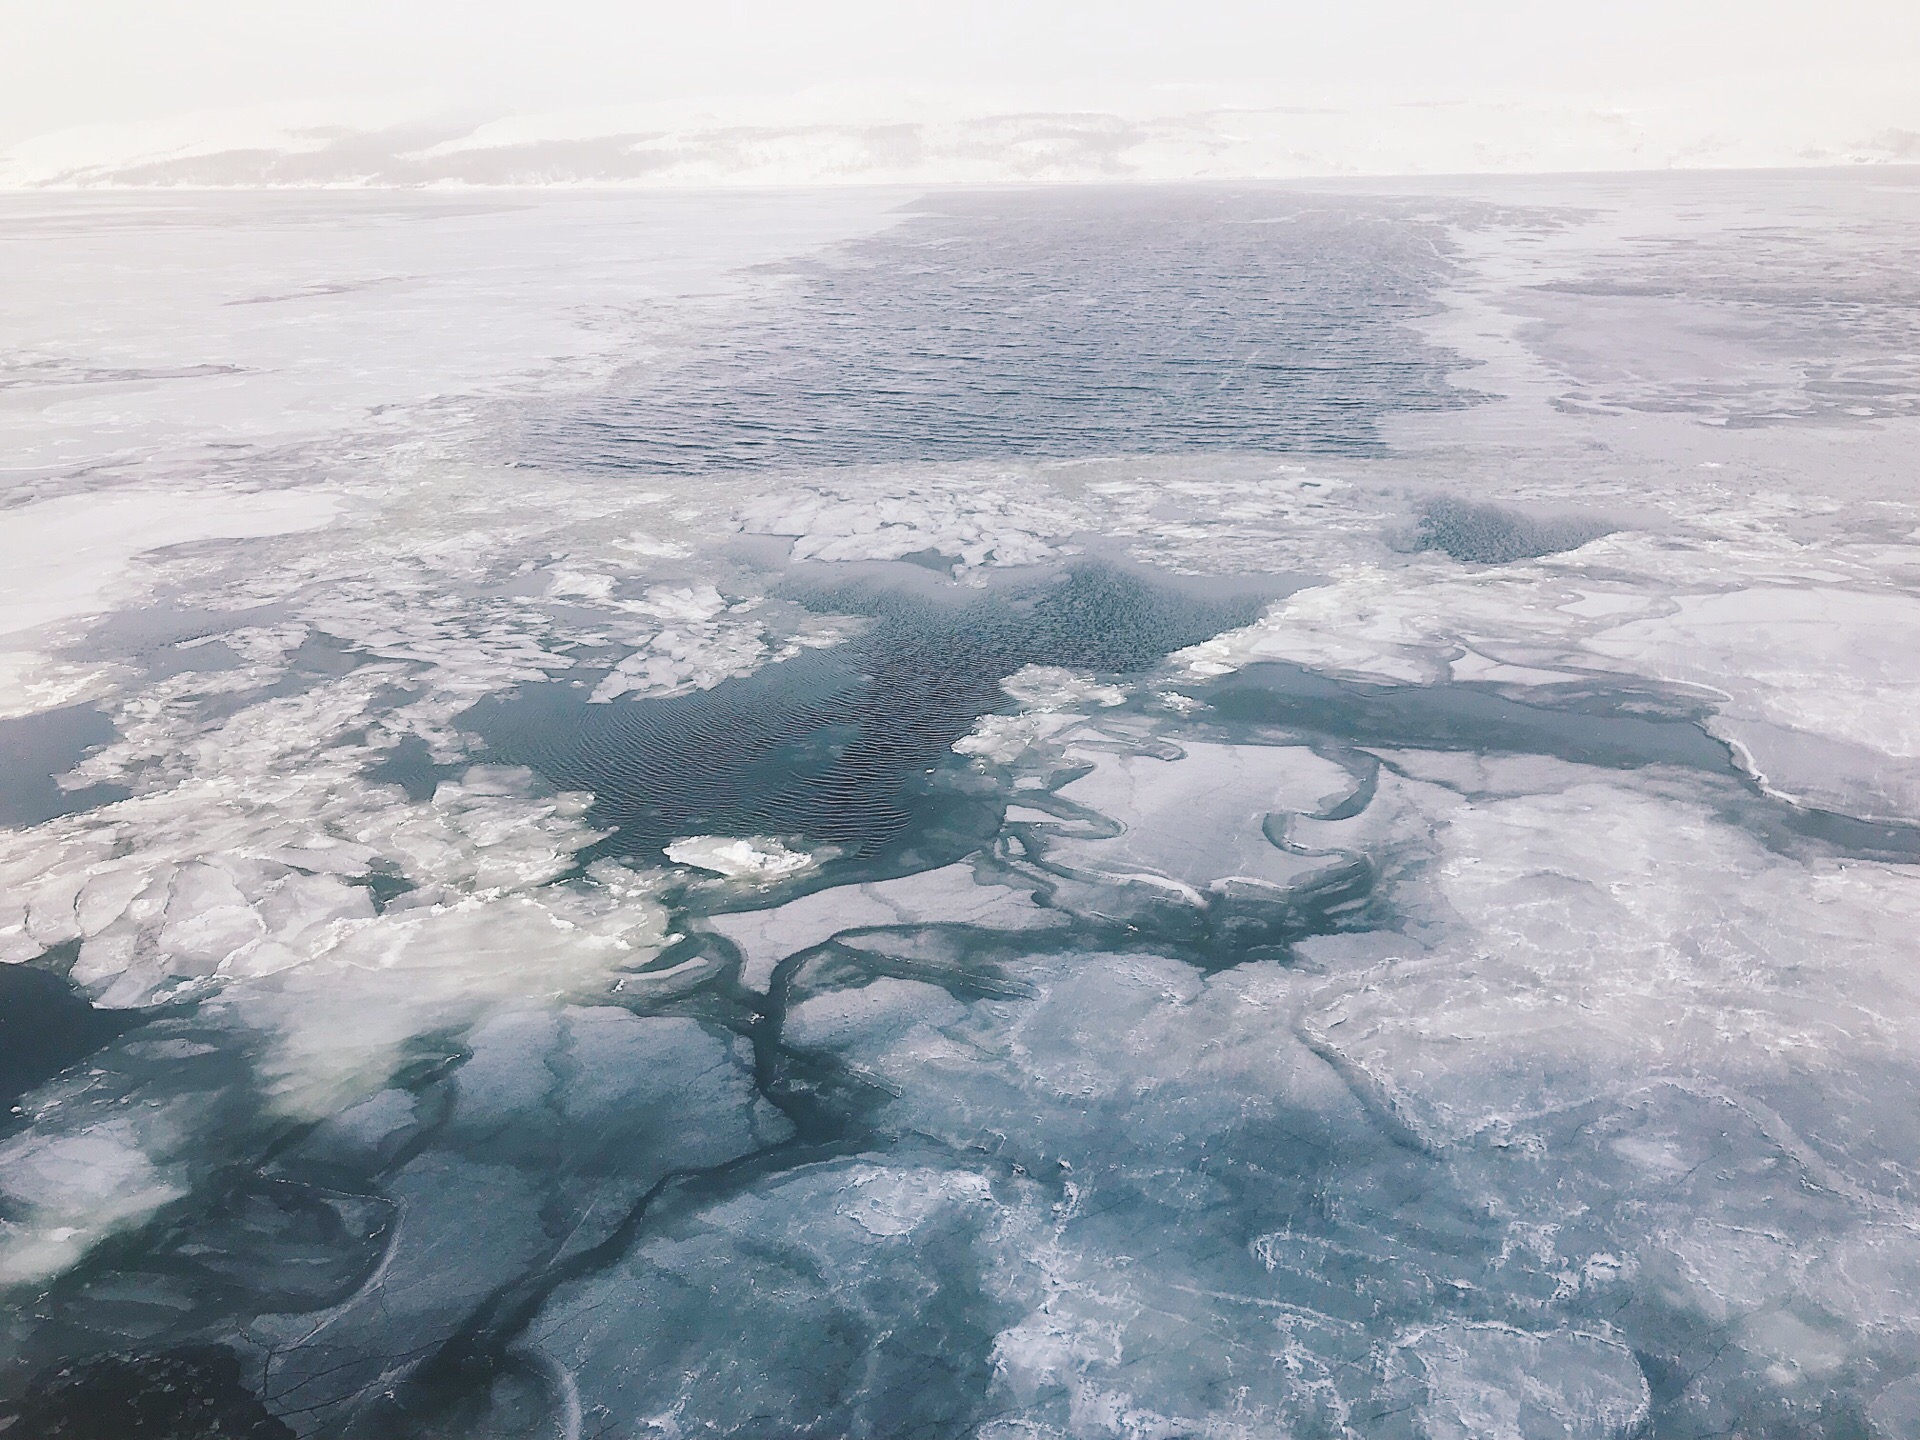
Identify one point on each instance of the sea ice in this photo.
(981, 524)
(65, 1191)
(1492, 1382)
(1820, 695)
(72, 557)
(1200, 831)
(1543, 1100)
(829, 1252)
(560, 1123)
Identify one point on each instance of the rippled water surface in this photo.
(1053, 324)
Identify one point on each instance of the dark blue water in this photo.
(35, 749)
(849, 746)
(1051, 325)
(46, 1025)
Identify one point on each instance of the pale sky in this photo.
(145, 63)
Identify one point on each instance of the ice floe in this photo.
(971, 526)
(761, 858)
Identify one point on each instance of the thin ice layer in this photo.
(949, 895)
(1197, 823)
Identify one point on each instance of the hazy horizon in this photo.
(210, 93)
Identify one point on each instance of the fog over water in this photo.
(1225, 810)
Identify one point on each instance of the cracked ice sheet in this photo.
(1494, 1382)
(1633, 1075)
(1635, 1004)
(1044, 693)
(476, 580)
(238, 873)
(827, 1251)
(1611, 931)
(131, 350)
(1153, 1107)
(1704, 1164)
(1811, 680)
(1823, 695)
(704, 642)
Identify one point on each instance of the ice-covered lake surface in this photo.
(1151, 813)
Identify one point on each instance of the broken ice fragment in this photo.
(751, 858)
